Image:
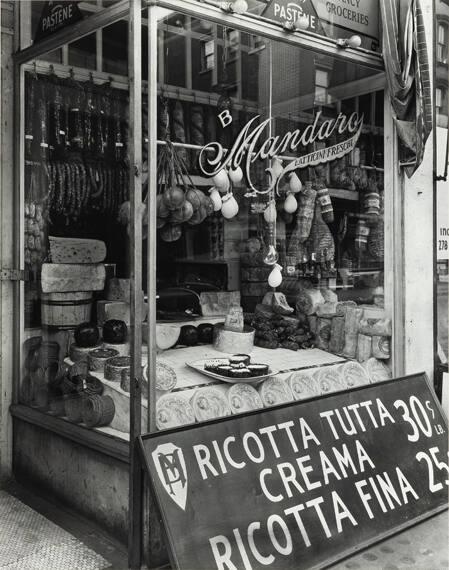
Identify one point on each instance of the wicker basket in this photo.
(97, 410)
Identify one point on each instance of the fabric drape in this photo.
(408, 74)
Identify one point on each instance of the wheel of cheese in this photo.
(209, 403)
(353, 374)
(377, 370)
(173, 410)
(97, 358)
(303, 385)
(80, 354)
(73, 405)
(97, 410)
(165, 377)
(275, 391)
(243, 398)
(121, 348)
(114, 367)
(329, 380)
(167, 336)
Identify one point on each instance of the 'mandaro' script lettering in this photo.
(243, 152)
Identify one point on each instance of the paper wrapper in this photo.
(308, 300)
(303, 385)
(275, 391)
(173, 410)
(352, 319)
(328, 309)
(381, 347)
(329, 296)
(375, 327)
(329, 379)
(377, 370)
(353, 374)
(350, 347)
(343, 306)
(243, 398)
(337, 340)
(323, 333)
(313, 322)
(210, 402)
(363, 347)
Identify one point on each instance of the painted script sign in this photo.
(55, 16)
(304, 484)
(250, 146)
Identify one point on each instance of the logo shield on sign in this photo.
(171, 469)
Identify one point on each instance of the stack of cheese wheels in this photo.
(243, 398)
(173, 410)
(275, 391)
(353, 374)
(303, 385)
(81, 353)
(329, 379)
(210, 402)
(377, 370)
(97, 358)
(114, 366)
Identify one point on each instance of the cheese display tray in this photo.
(198, 365)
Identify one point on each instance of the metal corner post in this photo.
(152, 190)
(135, 184)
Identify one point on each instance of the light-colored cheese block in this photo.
(107, 310)
(243, 398)
(79, 353)
(122, 348)
(119, 310)
(173, 410)
(275, 391)
(210, 402)
(76, 250)
(59, 277)
(118, 289)
(303, 385)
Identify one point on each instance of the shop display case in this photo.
(206, 213)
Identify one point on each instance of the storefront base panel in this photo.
(93, 484)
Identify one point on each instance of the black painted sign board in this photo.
(301, 485)
(56, 15)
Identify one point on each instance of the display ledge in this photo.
(104, 440)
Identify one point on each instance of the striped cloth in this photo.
(408, 74)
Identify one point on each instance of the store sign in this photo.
(55, 16)
(301, 485)
(250, 146)
(331, 18)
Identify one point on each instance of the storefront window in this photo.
(76, 180)
(267, 244)
(270, 230)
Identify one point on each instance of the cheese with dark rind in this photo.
(76, 250)
(60, 277)
(98, 357)
(114, 366)
(79, 353)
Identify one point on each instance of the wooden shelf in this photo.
(343, 194)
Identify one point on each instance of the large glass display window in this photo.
(261, 225)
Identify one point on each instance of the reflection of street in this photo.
(442, 315)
